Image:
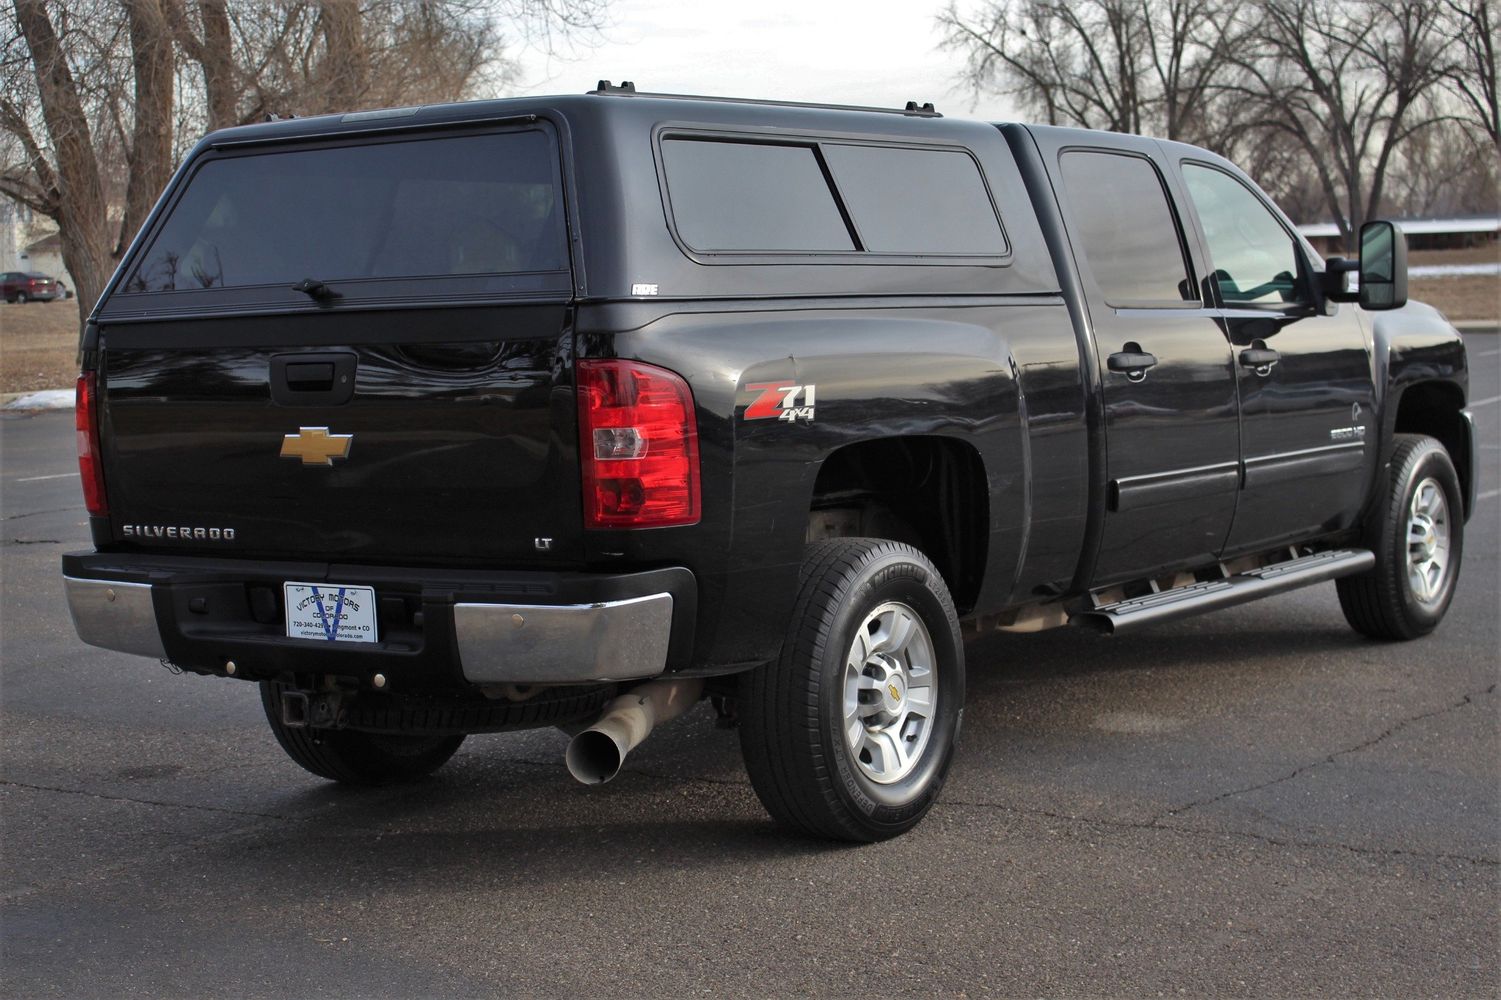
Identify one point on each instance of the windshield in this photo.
(431, 207)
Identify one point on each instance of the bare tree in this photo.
(1349, 84)
(1122, 65)
(1319, 99)
(66, 185)
(211, 47)
(149, 155)
(1282, 167)
(99, 98)
(1444, 171)
(1474, 25)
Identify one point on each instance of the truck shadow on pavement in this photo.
(505, 809)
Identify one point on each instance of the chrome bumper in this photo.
(552, 644)
(116, 616)
(497, 643)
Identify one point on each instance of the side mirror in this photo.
(1383, 266)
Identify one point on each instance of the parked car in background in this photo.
(30, 286)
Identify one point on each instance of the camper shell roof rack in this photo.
(626, 88)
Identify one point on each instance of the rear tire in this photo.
(1417, 533)
(22, 298)
(355, 758)
(851, 733)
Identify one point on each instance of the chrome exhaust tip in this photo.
(596, 755)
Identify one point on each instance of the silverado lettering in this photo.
(176, 531)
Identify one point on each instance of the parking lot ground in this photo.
(1254, 802)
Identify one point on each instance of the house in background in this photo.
(29, 242)
(46, 255)
(1422, 234)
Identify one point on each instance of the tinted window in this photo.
(1123, 225)
(479, 204)
(1254, 258)
(916, 200)
(751, 196)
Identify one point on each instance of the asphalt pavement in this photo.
(1253, 802)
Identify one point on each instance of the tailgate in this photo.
(357, 350)
(456, 447)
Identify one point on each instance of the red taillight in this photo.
(90, 462)
(638, 442)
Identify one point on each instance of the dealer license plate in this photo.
(330, 612)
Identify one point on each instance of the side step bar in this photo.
(1211, 595)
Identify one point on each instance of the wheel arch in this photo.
(1437, 408)
(929, 491)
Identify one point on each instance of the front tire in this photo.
(356, 758)
(849, 736)
(1417, 533)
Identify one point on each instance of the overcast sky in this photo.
(834, 51)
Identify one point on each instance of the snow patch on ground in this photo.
(1453, 270)
(47, 399)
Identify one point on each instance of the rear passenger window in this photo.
(916, 201)
(739, 196)
(1122, 223)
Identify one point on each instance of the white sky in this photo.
(877, 52)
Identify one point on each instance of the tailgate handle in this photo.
(305, 377)
(323, 379)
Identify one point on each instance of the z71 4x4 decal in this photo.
(783, 400)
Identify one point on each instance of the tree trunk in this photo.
(347, 63)
(82, 216)
(150, 154)
(219, 65)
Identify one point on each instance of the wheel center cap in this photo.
(893, 693)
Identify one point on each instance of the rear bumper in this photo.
(438, 629)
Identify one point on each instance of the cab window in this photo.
(1254, 259)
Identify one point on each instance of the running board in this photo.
(1211, 595)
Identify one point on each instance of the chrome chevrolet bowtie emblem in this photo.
(316, 446)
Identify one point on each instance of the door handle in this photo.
(1131, 360)
(1260, 357)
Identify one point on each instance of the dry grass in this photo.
(1469, 255)
(39, 340)
(1473, 296)
(38, 345)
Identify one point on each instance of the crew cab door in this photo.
(1307, 390)
(1166, 372)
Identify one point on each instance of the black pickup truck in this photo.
(574, 411)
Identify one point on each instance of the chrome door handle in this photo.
(1260, 357)
(1131, 360)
